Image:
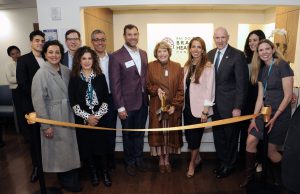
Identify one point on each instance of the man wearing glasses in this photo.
(99, 41)
(73, 42)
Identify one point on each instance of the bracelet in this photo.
(206, 114)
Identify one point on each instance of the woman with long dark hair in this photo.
(199, 88)
(88, 94)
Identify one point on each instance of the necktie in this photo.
(217, 62)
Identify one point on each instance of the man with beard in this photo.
(127, 75)
(27, 66)
(73, 42)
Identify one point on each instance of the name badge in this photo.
(129, 64)
(166, 73)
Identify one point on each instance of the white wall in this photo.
(21, 24)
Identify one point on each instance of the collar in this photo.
(105, 56)
(223, 49)
(130, 50)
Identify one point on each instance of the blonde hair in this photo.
(257, 62)
(162, 45)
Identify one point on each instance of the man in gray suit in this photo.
(231, 89)
(127, 76)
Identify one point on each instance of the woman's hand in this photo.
(251, 126)
(171, 110)
(160, 93)
(270, 124)
(48, 133)
(203, 118)
(92, 120)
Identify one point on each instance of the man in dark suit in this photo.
(291, 155)
(127, 74)
(27, 66)
(231, 89)
(99, 41)
(73, 42)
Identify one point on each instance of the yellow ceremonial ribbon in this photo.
(266, 111)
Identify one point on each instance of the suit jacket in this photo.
(27, 66)
(291, 155)
(126, 84)
(65, 59)
(231, 81)
(202, 92)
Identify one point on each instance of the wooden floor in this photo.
(15, 169)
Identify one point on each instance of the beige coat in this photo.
(50, 101)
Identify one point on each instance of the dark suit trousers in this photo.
(35, 143)
(17, 99)
(226, 142)
(133, 142)
(110, 122)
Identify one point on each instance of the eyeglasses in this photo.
(99, 40)
(73, 39)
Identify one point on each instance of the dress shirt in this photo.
(70, 60)
(136, 57)
(104, 66)
(222, 52)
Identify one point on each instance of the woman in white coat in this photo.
(50, 101)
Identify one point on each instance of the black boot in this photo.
(276, 172)
(34, 175)
(94, 175)
(106, 178)
(250, 169)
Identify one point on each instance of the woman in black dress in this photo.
(88, 94)
(275, 88)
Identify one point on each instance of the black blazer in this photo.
(65, 59)
(231, 81)
(27, 66)
(291, 155)
(77, 91)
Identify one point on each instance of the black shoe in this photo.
(94, 176)
(34, 175)
(224, 173)
(131, 170)
(106, 178)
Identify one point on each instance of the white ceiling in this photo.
(17, 4)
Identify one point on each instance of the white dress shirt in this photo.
(136, 57)
(104, 66)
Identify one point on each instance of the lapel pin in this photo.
(226, 57)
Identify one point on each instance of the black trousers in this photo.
(35, 143)
(110, 120)
(133, 142)
(17, 99)
(226, 142)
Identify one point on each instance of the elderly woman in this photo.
(199, 84)
(275, 88)
(165, 80)
(88, 94)
(50, 101)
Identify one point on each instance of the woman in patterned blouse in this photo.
(88, 94)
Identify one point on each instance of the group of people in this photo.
(92, 87)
